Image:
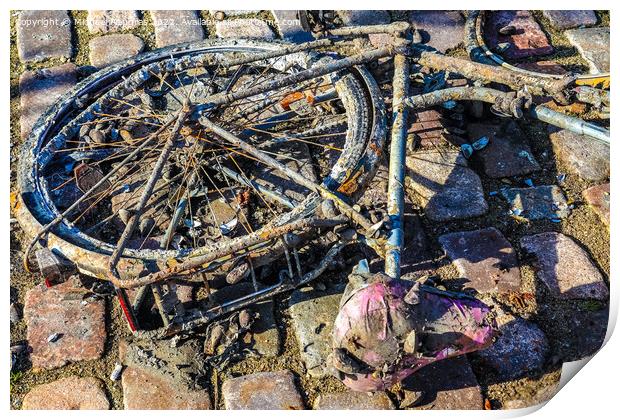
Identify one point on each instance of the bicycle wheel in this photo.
(330, 128)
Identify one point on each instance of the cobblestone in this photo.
(110, 49)
(585, 156)
(39, 89)
(485, 260)
(351, 400)
(290, 27)
(593, 44)
(176, 26)
(507, 153)
(43, 34)
(528, 40)
(71, 393)
(427, 128)
(542, 202)
(313, 314)
(567, 19)
(441, 30)
(243, 28)
(598, 198)
(262, 391)
(364, 17)
(447, 188)
(59, 310)
(446, 385)
(564, 267)
(106, 21)
(520, 350)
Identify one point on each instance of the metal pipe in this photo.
(396, 177)
(391, 28)
(274, 195)
(506, 103)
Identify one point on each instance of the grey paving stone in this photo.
(351, 400)
(441, 30)
(520, 350)
(586, 157)
(313, 314)
(593, 45)
(447, 188)
(106, 21)
(598, 198)
(364, 17)
(542, 202)
(567, 19)
(144, 390)
(59, 312)
(262, 391)
(529, 39)
(290, 27)
(176, 26)
(43, 34)
(264, 337)
(229, 13)
(39, 89)
(109, 49)
(157, 376)
(243, 28)
(70, 393)
(485, 260)
(448, 384)
(507, 153)
(565, 267)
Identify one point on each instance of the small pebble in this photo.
(507, 30)
(15, 315)
(481, 143)
(467, 150)
(52, 338)
(116, 373)
(528, 182)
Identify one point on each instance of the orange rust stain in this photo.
(350, 186)
(15, 203)
(290, 98)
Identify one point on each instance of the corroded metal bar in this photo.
(390, 28)
(509, 104)
(146, 193)
(396, 177)
(233, 246)
(487, 73)
(224, 98)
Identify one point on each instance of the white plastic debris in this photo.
(228, 227)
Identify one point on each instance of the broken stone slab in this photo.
(442, 30)
(564, 267)
(40, 89)
(507, 153)
(448, 384)
(598, 198)
(544, 66)
(568, 19)
(62, 326)
(243, 28)
(109, 49)
(70, 393)
(290, 27)
(447, 188)
(106, 21)
(593, 45)
(158, 376)
(262, 391)
(264, 337)
(176, 26)
(535, 203)
(585, 156)
(485, 260)
(364, 17)
(528, 40)
(313, 313)
(43, 34)
(143, 390)
(520, 350)
(351, 400)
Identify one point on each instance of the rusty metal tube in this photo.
(396, 177)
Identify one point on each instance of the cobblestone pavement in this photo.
(523, 223)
